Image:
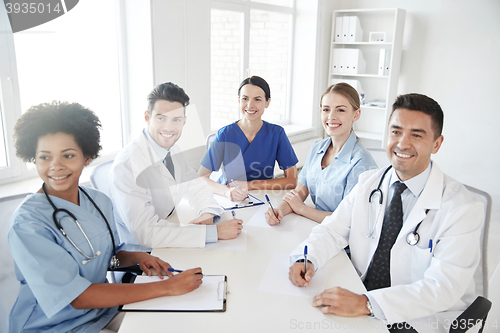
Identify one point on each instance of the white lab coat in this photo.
(427, 287)
(144, 194)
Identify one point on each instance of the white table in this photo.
(248, 309)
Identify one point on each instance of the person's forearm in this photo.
(314, 214)
(285, 208)
(215, 187)
(284, 183)
(127, 258)
(106, 295)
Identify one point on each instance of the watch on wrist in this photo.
(369, 307)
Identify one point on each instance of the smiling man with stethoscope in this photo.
(414, 233)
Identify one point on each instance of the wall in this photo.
(451, 52)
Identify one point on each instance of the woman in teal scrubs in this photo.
(333, 164)
(249, 148)
(62, 276)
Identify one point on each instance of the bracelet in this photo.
(369, 307)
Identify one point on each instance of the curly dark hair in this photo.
(57, 117)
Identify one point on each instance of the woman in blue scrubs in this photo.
(333, 164)
(62, 275)
(249, 148)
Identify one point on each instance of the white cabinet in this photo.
(374, 64)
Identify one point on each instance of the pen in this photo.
(269, 202)
(234, 214)
(170, 269)
(305, 263)
(430, 245)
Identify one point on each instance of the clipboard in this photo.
(227, 204)
(209, 297)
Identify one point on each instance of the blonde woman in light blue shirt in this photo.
(333, 164)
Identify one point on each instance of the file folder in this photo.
(338, 29)
(355, 31)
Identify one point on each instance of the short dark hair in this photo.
(256, 81)
(57, 117)
(425, 104)
(167, 91)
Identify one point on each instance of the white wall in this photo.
(451, 52)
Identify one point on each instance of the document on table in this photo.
(276, 280)
(210, 296)
(259, 220)
(237, 244)
(227, 204)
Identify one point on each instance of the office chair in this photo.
(9, 286)
(380, 157)
(99, 178)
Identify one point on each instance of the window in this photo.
(250, 38)
(3, 149)
(72, 58)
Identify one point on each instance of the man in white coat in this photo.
(429, 283)
(149, 177)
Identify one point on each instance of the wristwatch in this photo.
(369, 307)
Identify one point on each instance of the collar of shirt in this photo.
(415, 186)
(159, 150)
(345, 153)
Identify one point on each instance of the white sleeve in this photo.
(134, 205)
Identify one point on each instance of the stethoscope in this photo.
(413, 237)
(114, 261)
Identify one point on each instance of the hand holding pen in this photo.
(272, 216)
(236, 193)
(184, 282)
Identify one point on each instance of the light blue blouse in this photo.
(329, 186)
(50, 269)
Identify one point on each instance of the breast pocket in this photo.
(421, 257)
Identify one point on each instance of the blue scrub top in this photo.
(247, 161)
(50, 268)
(329, 186)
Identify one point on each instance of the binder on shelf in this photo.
(348, 61)
(342, 61)
(356, 61)
(355, 31)
(381, 61)
(338, 29)
(387, 62)
(345, 30)
(336, 60)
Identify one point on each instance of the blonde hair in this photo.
(347, 91)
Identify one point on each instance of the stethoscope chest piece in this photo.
(412, 238)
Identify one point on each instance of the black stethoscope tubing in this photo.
(413, 237)
(114, 261)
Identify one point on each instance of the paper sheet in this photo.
(237, 244)
(258, 220)
(208, 297)
(276, 280)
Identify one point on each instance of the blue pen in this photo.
(170, 269)
(305, 263)
(430, 245)
(269, 202)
